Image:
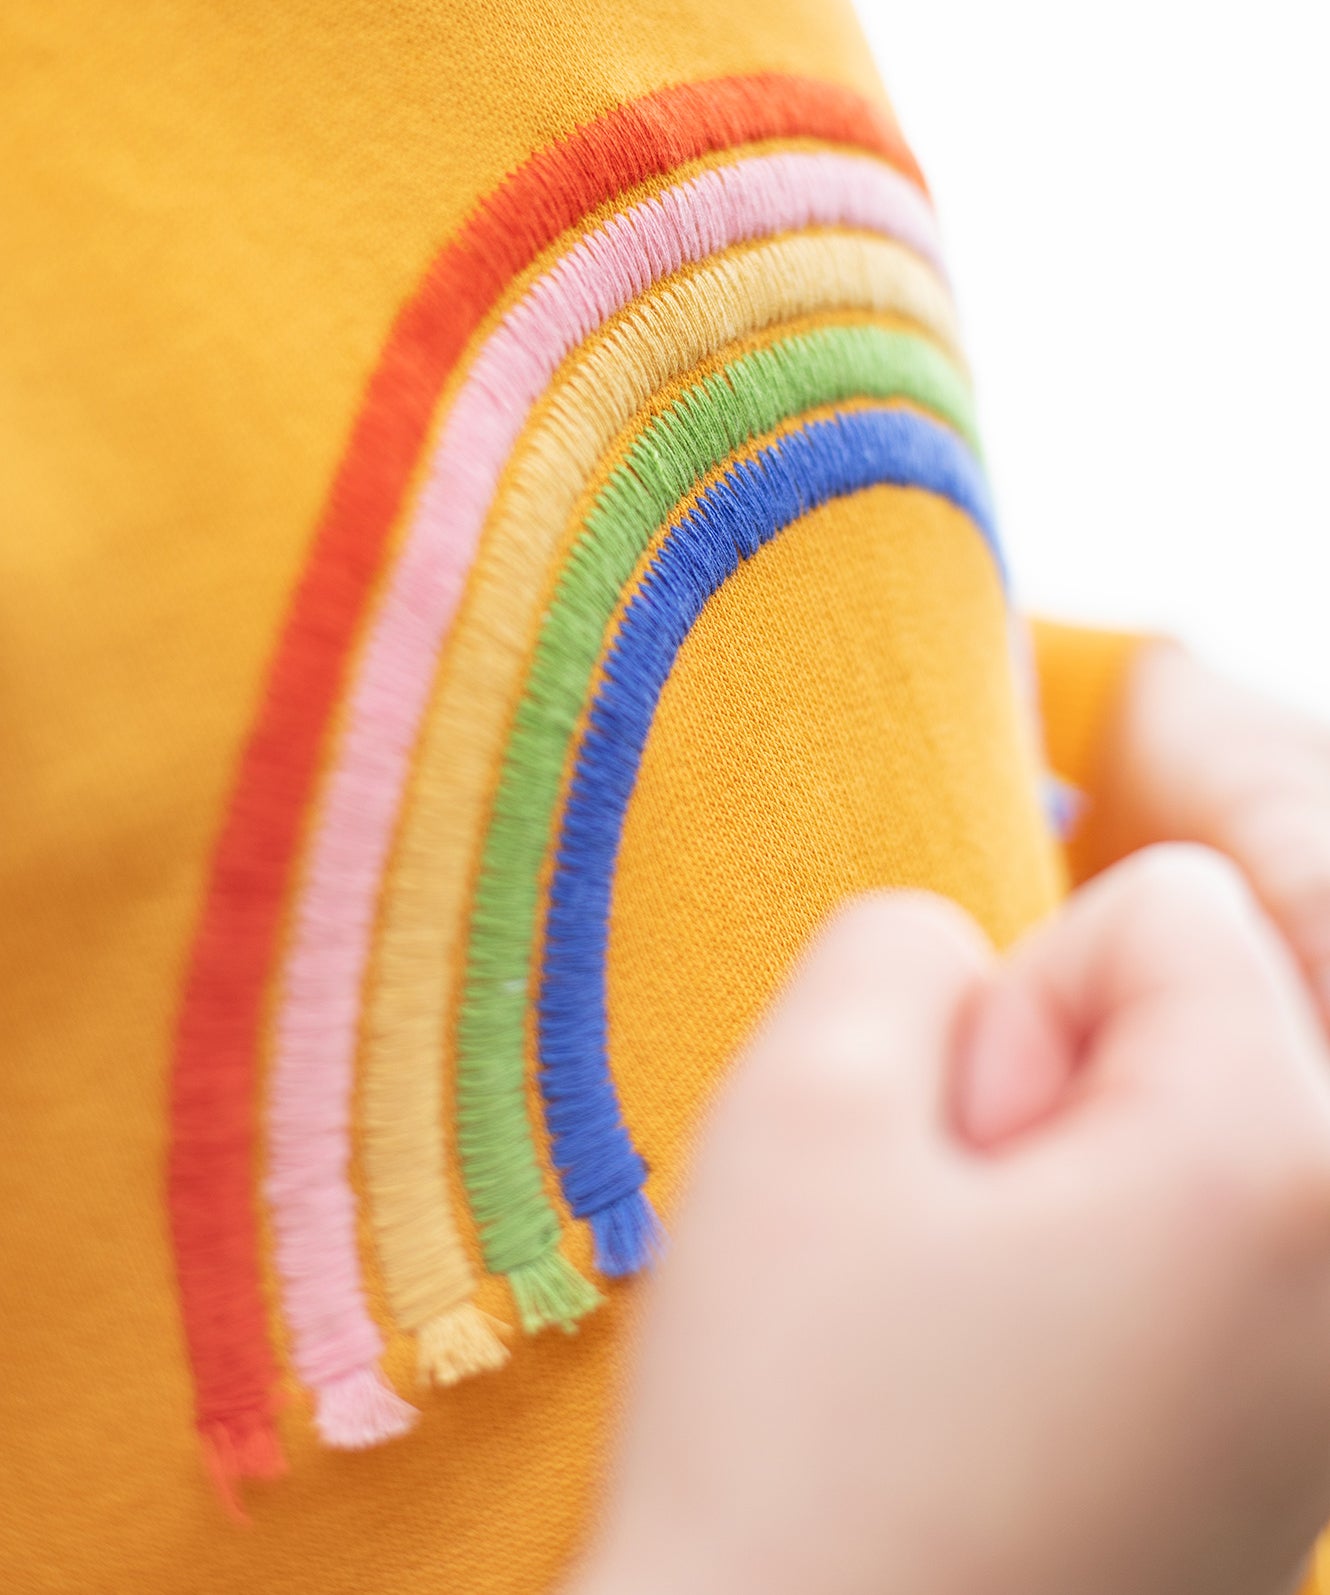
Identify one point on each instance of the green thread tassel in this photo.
(550, 1291)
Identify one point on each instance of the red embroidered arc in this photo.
(213, 1107)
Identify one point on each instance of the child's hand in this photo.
(1194, 757)
(1094, 1359)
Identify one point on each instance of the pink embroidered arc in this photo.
(335, 1343)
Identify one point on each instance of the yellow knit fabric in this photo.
(212, 219)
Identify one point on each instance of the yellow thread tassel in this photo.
(457, 1344)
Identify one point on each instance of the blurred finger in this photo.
(1015, 1064)
(1172, 935)
(1283, 845)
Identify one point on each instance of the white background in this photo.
(1136, 204)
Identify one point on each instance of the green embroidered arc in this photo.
(520, 1229)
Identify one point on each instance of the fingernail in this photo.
(1014, 1066)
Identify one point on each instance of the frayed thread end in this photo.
(628, 1235)
(550, 1291)
(360, 1410)
(1064, 805)
(235, 1449)
(459, 1343)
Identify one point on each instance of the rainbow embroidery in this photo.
(655, 346)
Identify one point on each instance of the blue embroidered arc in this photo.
(600, 1169)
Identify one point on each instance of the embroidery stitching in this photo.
(211, 1170)
(601, 1174)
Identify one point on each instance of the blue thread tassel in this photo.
(1063, 804)
(628, 1235)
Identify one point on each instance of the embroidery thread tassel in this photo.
(235, 1449)
(360, 1410)
(456, 1344)
(549, 1291)
(628, 1236)
(1063, 804)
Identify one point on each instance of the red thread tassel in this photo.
(235, 1449)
